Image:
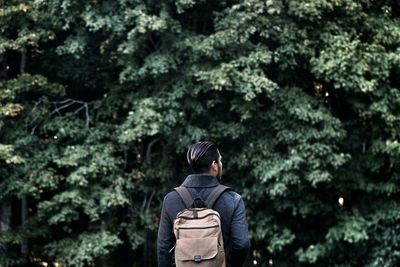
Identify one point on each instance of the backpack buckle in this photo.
(197, 258)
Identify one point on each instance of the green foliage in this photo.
(82, 250)
(100, 99)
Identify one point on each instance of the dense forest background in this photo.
(100, 99)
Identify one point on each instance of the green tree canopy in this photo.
(99, 100)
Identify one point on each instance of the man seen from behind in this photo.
(205, 161)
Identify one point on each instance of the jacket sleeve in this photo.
(165, 238)
(239, 235)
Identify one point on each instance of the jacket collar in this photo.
(200, 180)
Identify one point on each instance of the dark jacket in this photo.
(231, 208)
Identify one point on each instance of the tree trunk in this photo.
(103, 261)
(22, 66)
(5, 220)
(24, 216)
(3, 66)
(24, 200)
(146, 249)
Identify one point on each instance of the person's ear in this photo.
(214, 166)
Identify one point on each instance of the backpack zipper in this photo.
(191, 218)
(199, 228)
(194, 228)
(182, 211)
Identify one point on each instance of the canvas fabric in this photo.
(198, 232)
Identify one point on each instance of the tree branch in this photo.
(150, 146)
(61, 105)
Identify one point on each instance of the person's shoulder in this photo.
(171, 196)
(231, 193)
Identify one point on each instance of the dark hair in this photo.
(201, 155)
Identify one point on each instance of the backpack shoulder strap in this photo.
(185, 195)
(215, 194)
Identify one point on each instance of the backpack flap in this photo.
(196, 249)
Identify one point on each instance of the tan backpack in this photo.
(198, 232)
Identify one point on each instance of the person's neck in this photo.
(205, 174)
(209, 174)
